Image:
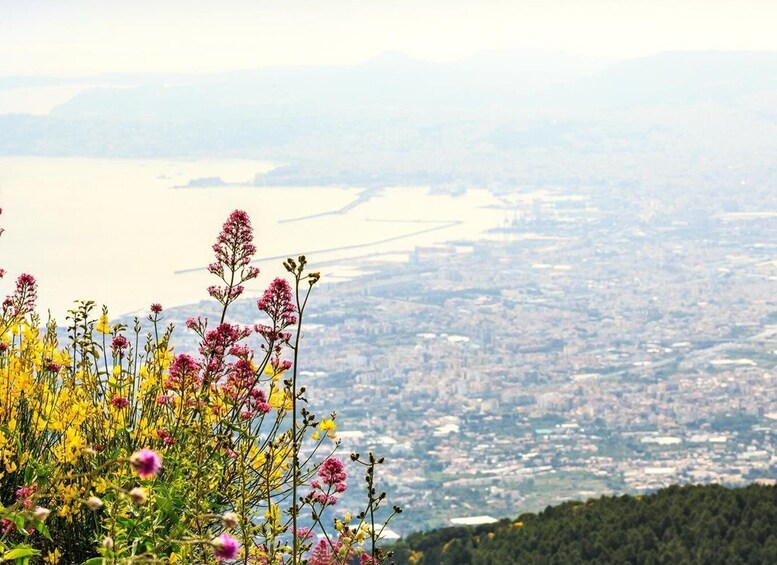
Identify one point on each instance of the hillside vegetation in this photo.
(678, 525)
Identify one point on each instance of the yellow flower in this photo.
(53, 556)
(279, 400)
(103, 326)
(273, 517)
(328, 425)
(101, 485)
(71, 447)
(63, 358)
(362, 532)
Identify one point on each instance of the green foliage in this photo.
(704, 525)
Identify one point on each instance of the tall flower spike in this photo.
(234, 249)
(277, 302)
(22, 301)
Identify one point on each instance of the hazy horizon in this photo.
(82, 37)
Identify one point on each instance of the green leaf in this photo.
(20, 552)
(41, 527)
(94, 561)
(28, 474)
(18, 520)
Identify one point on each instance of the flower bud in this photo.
(138, 495)
(108, 542)
(41, 513)
(230, 520)
(94, 503)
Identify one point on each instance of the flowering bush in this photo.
(114, 449)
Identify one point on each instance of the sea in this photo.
(128, 233)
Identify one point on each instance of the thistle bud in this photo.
(230, 520)
(138, 495)
(41, 513)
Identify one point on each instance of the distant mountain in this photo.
(490, 118)
(399, 85)
(680, 78)
(389, 84)
(704, 525)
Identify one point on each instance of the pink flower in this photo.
(184, 372)
(323, 553)
(23, 299)
(146, 463)
(332, 471)
(119, 402)
(119, 344)
(218, 343)
(277, 302)
(234, 250)
(332, 474)
(225, 547)
(25, 494)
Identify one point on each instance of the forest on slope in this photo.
(678, 525)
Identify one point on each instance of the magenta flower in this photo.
(119, 402)
(146, 463)
(218, 343)
(332, 471)
(277, 301)
(119, 344)
(323, 552)
(22, 301)
(332, 474)
(234, 251)
(225, 547)
(184, 372)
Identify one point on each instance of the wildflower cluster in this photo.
(116, 449)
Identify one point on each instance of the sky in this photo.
(84, 37)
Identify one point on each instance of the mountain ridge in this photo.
(679, 525)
